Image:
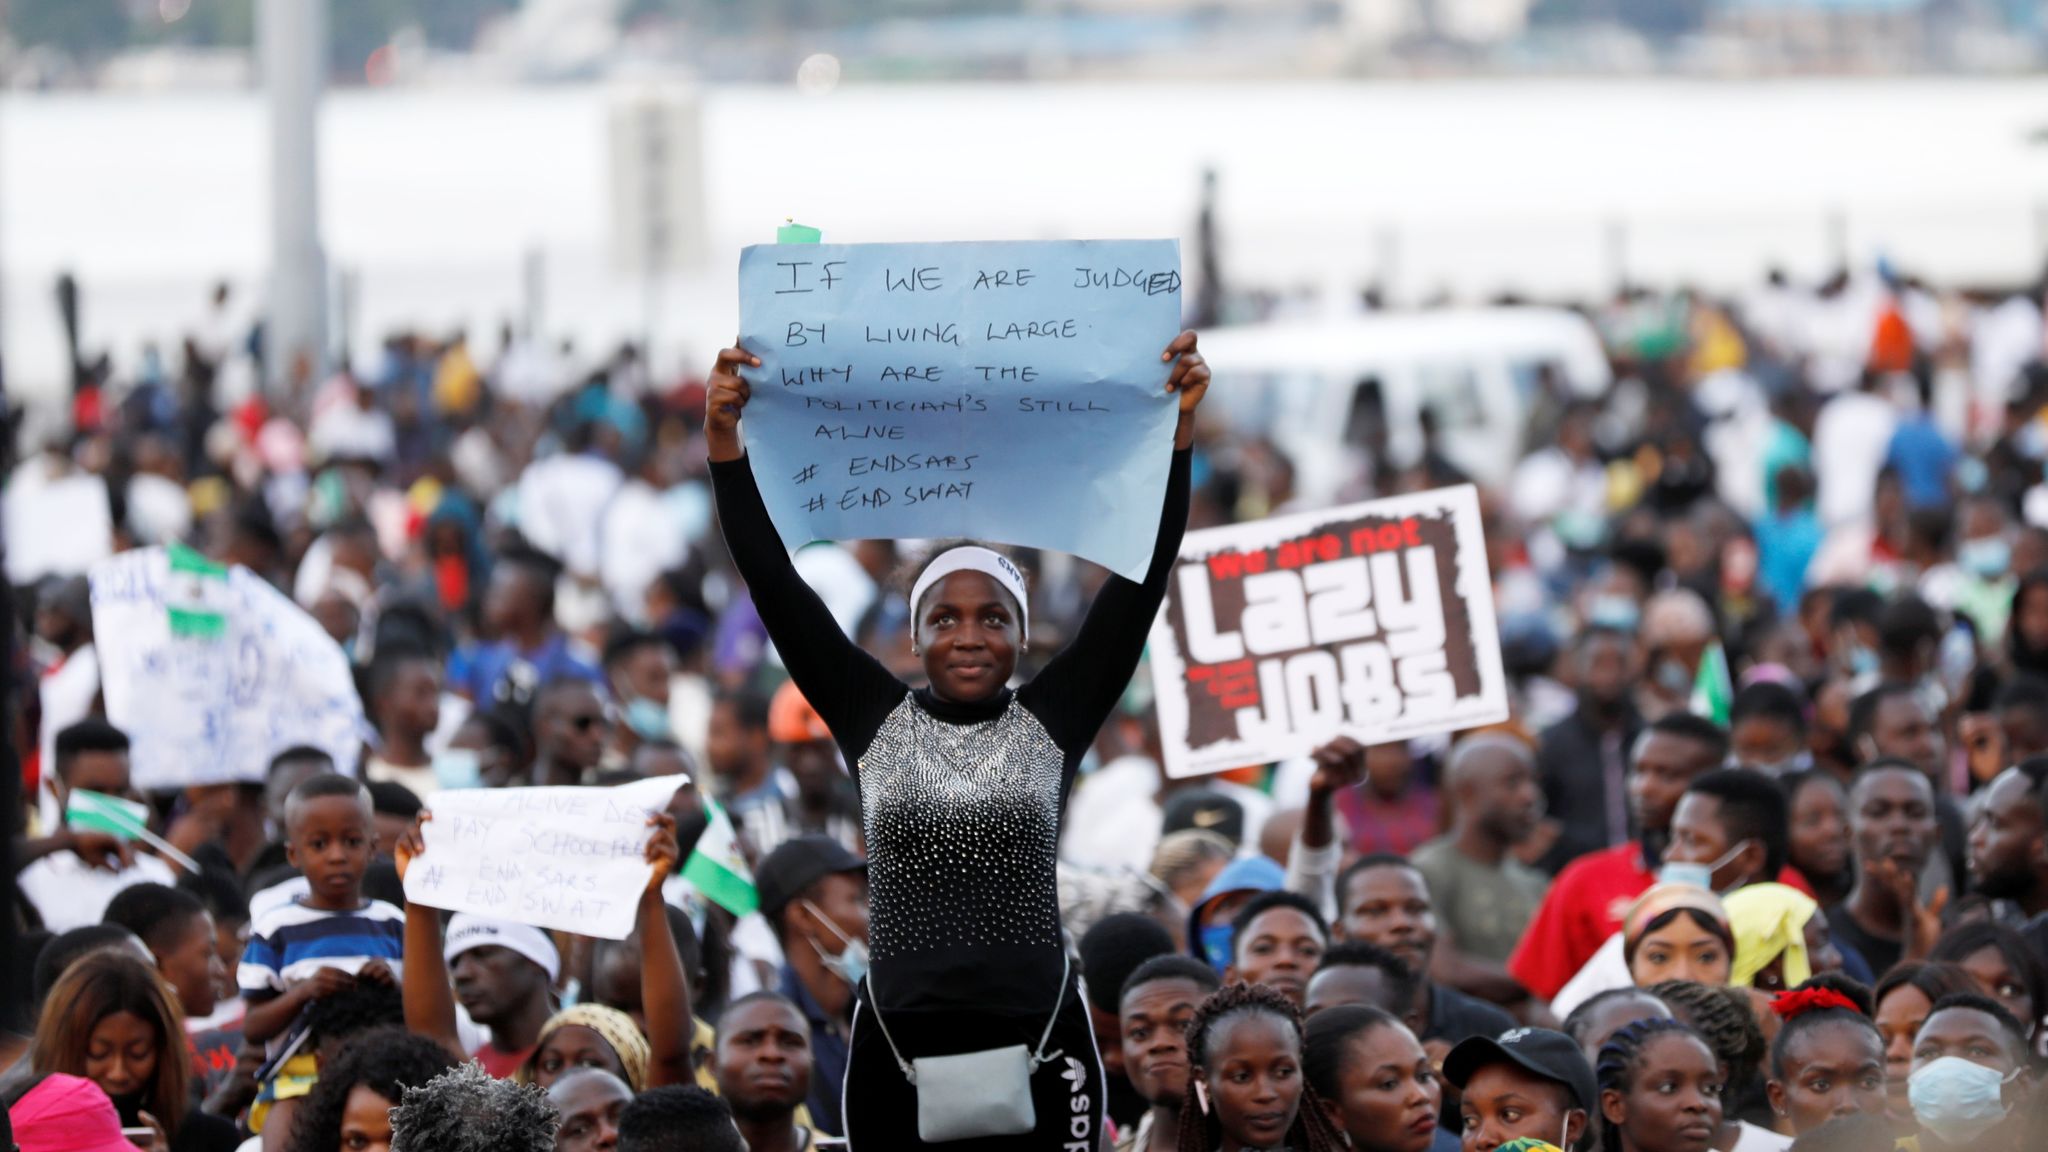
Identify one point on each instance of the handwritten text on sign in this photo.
(1007, 391)
(213, 706)
(572, 859)
(1373, 621)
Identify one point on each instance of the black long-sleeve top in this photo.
(961, 803)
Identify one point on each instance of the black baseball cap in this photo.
(798, 863)
(1206, 809)
(1551, 1055)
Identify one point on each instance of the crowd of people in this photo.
(1805, 908)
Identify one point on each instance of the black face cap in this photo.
(796, 865)
(1539, 1051)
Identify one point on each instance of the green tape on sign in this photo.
(188, 560)
(795, 233)
(197, 625)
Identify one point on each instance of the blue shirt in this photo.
(1924, 458)
(1784, 550)
(478, 671)
(828, 1056)
(291, 942)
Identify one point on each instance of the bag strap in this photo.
(1038, 1058)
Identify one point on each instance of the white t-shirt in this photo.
(1113, 819)
(1850, 439)
(69, 893)
(1755, 1139)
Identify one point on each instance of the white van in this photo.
(1300, 383)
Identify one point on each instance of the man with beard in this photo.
(1483, 894)
(1583, 760)
(1892, 827)
(1893, 721)
(1386, 902)
(763, 1068)
(1156, 1004)
(2009, 844)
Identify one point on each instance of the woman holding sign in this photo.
(962, 785)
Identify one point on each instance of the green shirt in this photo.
(1487, 908)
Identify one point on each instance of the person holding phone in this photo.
(112, 1020)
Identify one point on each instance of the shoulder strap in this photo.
(1037, 1058)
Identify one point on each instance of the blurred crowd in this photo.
(1761, 857)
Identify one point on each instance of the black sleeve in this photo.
(1075, 692)
(851, 690)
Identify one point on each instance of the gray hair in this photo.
(466, 1109)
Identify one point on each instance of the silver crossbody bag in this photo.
(972, 1094)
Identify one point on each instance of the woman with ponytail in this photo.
(1660, 1089)
(1246, 1091)
(1828, 1060)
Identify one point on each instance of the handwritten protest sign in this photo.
(572, 859)
(1007, 391)
(211, 672)
(1373, 621)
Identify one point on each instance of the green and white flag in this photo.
(87, 811)
(1713, 692)
(718, 869)
(99, 812)
(196, 595)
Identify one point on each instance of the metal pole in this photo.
(293, 39)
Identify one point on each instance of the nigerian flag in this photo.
(716, 867)
(1713, 693)
(99, 812)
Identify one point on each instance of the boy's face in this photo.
(102, 772)
(1502, 1103)
(328, 838)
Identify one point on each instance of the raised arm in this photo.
(851, 690)
(429, 996)
(664, 990)
(1079, 686)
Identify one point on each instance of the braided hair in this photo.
(1199, 1129)
(1723, 1018)
(1621, 1058)
(1824, 1000)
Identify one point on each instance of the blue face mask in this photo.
(648, 719)
(1697, 875)
(1617, 612)
(1956, 1100)
(459, 768)
(1798, 762)
(1986, 558)
(1216, 942)
(1862, 661)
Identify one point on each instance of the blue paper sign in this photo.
(1003, 391)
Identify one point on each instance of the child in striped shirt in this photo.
(324, 941)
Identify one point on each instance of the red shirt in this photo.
(1585, 906)
(500, 1063)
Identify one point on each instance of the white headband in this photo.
(971, 558)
